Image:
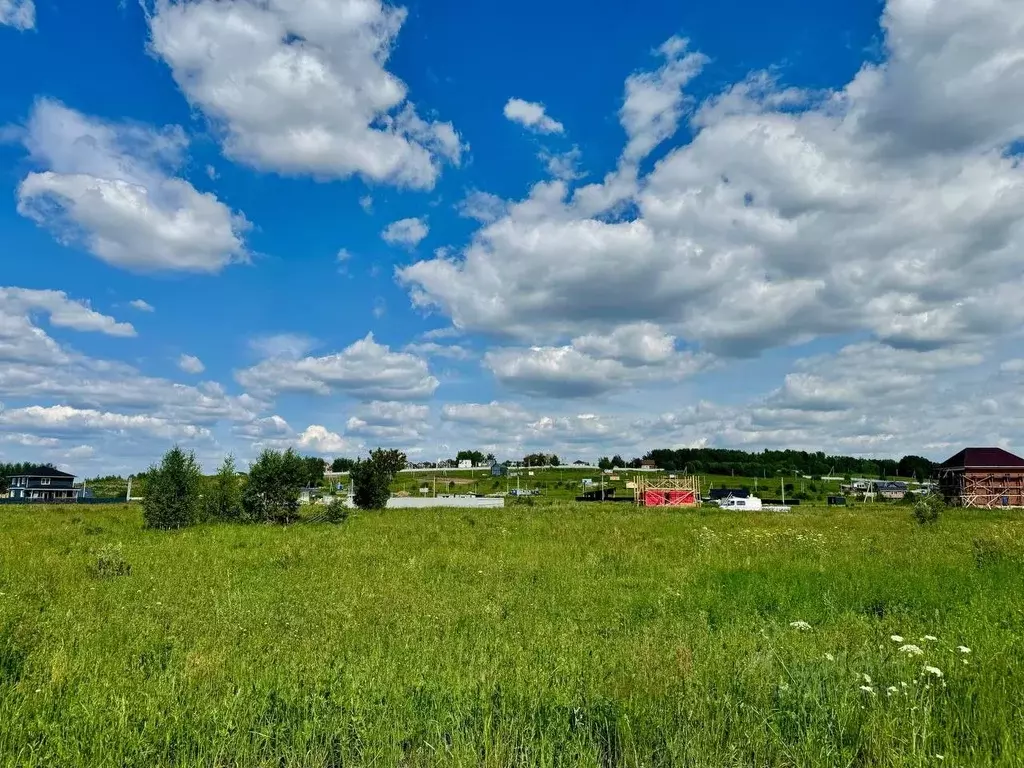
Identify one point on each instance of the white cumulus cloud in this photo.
(407, 232)
(111, 188)
(20, 14)
(302, 88)
(191, 364)
(532, 115)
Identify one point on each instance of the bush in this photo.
(110, 562)
(926, 510)
(337, 511)
(223, 499)
(172, 491)
(271, 494)
(987, 552)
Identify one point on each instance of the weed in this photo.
(109, 562)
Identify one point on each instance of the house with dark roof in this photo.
(982, 477)
(42, 484)
(890, 489)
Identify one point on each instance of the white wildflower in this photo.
(801, 625)
(930, 638)
(933, 671)
(868, 689)
(963, 649)
(829, 657)
(939, 757)
(911, 650)
(902, 684)
(892, 689)
(896, 638)
(866, 678)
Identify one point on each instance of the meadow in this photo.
(553, 635)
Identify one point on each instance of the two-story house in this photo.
(43, 484)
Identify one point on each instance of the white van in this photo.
(734, 502)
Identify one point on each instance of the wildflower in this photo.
(39, 690)
(911, 650)
(963, 649)
(892, 689)
(866, 678)
(930, 638)
(829, 657)
(868, 689)
(939, 757)
(896, 638)
(803, 626)
(933, 671)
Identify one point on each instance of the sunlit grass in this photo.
(562, 635)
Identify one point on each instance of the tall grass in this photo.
(565, 635)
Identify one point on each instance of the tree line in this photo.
(721, 461)
(177, 494)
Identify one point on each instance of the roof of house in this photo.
(983, 457)
(890, 485)
(43, 472)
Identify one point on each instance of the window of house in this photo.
(44, 481)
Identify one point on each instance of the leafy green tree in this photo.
(604, 463)
(313, 472)
(271, 494)
(554, 461)
(475, 456)
(342, 465)
(224, 493)
(172, 491)
(618, 462)
(371, 478)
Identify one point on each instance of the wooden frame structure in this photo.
(985, 478)
(667, 492)
(987, 490)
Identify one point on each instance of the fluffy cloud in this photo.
(433, 349)
(390, 422)
(493, 415)
(291, 345)
(301, 87)
(20, 14)
(482, 206)
(111, 188)
(407, 232)
(65, 421)
(594, 364)
(63, 311)
(887, 208)
(142, 306)
(320, 440)
(191, 364)
(365, 370)
(531, 115)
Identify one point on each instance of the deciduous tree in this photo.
(172, 491)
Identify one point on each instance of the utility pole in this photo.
(128, 495)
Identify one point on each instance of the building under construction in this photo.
(667, 491)
(982, 477)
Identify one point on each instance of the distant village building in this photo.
(891, 490)
(648, 464)
(982, 477)
(498, 470)
(465, 463)
(43, 484)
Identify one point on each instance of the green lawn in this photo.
(589, 635)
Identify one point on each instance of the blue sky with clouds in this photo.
(335, 224)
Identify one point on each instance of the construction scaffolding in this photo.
(986, 490)
(667, 492)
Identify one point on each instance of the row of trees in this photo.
(719, 461)
(177, 494)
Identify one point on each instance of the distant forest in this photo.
(720, 461)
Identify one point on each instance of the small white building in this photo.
(466, 464)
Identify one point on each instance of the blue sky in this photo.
(565, 227)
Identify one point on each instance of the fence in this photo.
(50, 502)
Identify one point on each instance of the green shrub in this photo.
(271, 494)
(337, 511)
(372, 477)
(110, 562)
(172, 493)
(926, 510)
(223, 498)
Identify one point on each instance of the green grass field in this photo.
(570, 635)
